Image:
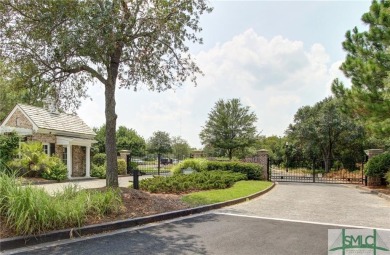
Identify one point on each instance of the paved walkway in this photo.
(325, 203)
(89, 184)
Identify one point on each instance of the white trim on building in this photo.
(68, 142)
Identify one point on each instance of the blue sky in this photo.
(276, 56)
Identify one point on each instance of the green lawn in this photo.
(239, 189)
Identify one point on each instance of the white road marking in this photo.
(298, 221)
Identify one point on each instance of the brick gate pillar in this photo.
(373, 181)
(263, 161)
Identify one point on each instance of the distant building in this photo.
(197, 154)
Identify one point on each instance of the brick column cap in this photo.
(373, 152)
(263, 151)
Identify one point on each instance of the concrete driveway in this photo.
(324, 203)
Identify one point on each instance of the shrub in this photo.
(99, 159)
(388, 177)
(33, 157)
(15, 165)
(30, 210)
(133, 166)
(378, 165)
(7, 184)
(196, 181)
(253, 171)
(98, 171)
(8, 146)
(121, 166)
(56, 170)
(33, 160)
(198, 165)
(106, 202)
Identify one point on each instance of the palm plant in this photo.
(33, 157)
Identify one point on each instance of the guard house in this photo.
(64, 135)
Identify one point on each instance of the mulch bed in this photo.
(136, 204)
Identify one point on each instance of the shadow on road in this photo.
(169, 238)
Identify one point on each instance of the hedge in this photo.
(253, 171)
(192, 182)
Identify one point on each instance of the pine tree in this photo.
(367, 65)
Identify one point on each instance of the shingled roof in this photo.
(62, 122)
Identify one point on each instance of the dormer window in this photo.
(17, 122)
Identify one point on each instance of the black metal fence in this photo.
(152, 164)
(330, 171)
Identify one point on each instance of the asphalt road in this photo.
(291, 219)
(203, 234)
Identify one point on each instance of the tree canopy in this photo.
(8, 147)
(17, 86)
(323, 131)
(367, 64)
(180, 147)
(159, 143)
(230, 126)
(118, 42)
(128, 139)
(100, 146)
(274, 145)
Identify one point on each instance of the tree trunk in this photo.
(111, 153)
(327, 164)
(230, 154)
(158, 163)
(112, 172)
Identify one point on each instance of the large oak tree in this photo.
(324, 131)
(121, 43)
(18, 85)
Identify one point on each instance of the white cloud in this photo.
(273, 76)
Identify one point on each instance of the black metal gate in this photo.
(152, 164)
(317, 171)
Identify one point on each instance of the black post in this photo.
(314, 172)
(268, 169)
(363, 180)
(135, 179)
(286, 164)
(128, 163)
(158, 163)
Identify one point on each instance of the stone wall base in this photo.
(374, 181)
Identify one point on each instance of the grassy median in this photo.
(238, 190)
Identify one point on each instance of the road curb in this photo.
(70, 233)
(380, 194)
